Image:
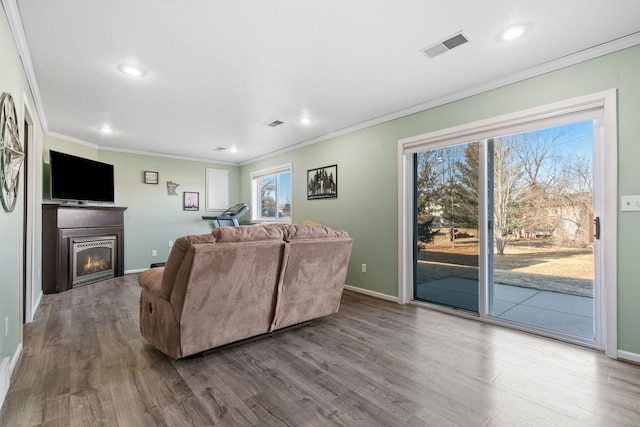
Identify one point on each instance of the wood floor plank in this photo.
(374, 363)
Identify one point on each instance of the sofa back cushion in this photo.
(315, 267)
(176, 258)
(246, 233)
(230, 292)
(314, 231)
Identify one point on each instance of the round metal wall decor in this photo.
(11, 153)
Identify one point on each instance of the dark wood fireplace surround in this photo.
(62, 223)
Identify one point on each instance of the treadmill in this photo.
(230, 216)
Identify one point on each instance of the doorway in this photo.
(508, 221)
(28, 222)
(541, 240)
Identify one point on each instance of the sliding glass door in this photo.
(540, 200)
(446, 217)
(523, 204)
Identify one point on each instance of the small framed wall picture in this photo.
(191, 201)
(150, 177)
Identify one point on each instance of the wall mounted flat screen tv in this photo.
(78, 179)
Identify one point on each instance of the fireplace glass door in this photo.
(92, 260)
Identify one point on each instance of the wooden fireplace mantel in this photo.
(61, 223)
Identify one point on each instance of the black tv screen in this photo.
(78, 179)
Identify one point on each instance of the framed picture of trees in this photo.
(322, 183)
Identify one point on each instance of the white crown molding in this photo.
(140, 152)
(15, 22)
(13, 15)
(575, 58)
(168, 156)
(72, 139)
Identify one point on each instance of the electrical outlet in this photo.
(170, 243)
(364, 268)
(6, 327)
(154, 253)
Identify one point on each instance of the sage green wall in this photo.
(366, 201)
(64, 146)
(13, 80)
(367, 172)
(152, 217)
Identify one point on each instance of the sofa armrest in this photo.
(151, 280)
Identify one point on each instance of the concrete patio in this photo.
(559, 312)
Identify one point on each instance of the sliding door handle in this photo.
(596, 223)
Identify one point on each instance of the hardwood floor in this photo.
(374, 363)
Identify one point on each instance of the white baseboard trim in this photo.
(371, 293)
(16, 357)
(139, 270)
(36, 304)
(6, 368)
(627, 355)
(5, 376)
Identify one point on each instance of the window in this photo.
(271, 194)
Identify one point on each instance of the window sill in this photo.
(271, 221)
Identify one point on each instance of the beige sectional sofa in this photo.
(240, 282)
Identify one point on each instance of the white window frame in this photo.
(522, 121)
(255, 194)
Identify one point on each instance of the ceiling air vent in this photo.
(445, 45)
(275, 123)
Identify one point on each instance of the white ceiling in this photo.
(218, 71)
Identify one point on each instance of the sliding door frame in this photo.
(526, 120)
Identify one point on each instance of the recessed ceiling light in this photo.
(513, 32)
(305, 120)
(233, 150)
(105, 129)
(132, 70)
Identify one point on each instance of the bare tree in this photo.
(267, 195)
(507, 189)
(536, 151)
(573, 202)
(538, 157)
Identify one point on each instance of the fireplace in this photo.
(91, 260)
(81, 245)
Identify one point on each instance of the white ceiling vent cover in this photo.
(445, 45)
